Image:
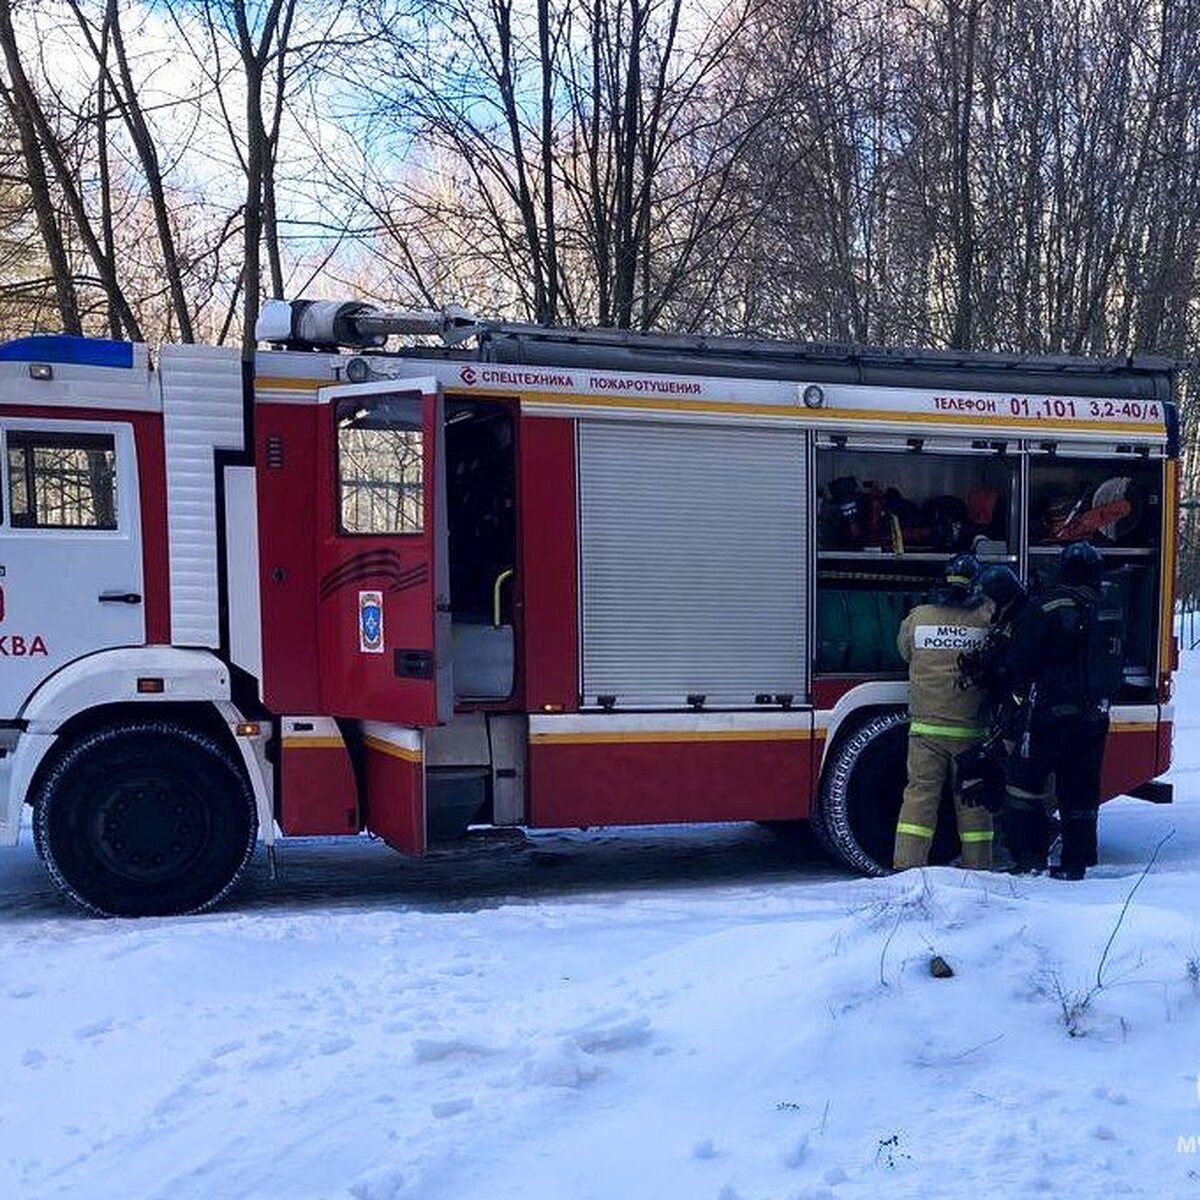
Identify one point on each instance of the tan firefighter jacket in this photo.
(931, 639)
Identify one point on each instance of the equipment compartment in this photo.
(1117, 506)
(1113, 505)
(887, 521)
(912, 500)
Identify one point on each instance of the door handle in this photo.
(497, 587)
(119, 598)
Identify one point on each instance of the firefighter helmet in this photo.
(1081, 565)
(1000, 585)
(959, 576)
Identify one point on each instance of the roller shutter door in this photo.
(693, 552)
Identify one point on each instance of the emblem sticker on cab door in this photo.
(370, 622)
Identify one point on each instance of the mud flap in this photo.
(395, 785)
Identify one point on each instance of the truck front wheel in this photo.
(145, 819)
(862, 785)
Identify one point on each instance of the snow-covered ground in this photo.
(666, 1014)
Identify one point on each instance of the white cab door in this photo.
(70, 548)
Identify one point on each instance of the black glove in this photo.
(980, 779)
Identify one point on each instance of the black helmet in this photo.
(959, 576)
(1081, 565)
(1000, 585)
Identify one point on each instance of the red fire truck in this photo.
(521, 577)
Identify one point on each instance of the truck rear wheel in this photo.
(862, 786)
(145, 819)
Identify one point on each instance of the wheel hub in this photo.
(149, 827)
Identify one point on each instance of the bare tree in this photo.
(260, 37)
(33, 174)
(125, 96)
(1021, 175)
(26, 100)
(595, 146)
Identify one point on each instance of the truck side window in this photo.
(381, 476)
(62, 480)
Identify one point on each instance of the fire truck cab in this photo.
(525, 577)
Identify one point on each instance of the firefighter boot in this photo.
(1079, 849)
(975, 833)
(1062, 871)
(1027, 830)
(928, 768)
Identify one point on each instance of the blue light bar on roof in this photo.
(68, 349)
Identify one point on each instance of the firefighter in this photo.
(987, 666)
(981, 769)
(945, 717)
(1065, 662)
(1008, 595)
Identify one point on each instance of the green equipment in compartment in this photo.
(856, 630)
(834, 638)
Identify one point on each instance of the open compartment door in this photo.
(383, 603)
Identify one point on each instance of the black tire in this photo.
(145, 819)
(797, 836)
(37, 839)
(862, 786)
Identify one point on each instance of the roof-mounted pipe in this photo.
(330, 324)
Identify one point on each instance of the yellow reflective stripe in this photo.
(951, 731)
(975, 835)
(921, 831)
(1061, 602)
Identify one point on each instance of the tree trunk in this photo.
(549, 231)
(47, 218)
(963, 328)
(147, 153)
(23, 92)
(106, 213)
(254, 59)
